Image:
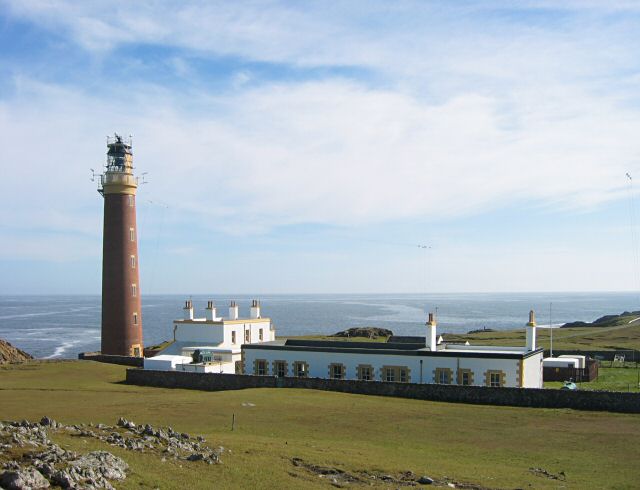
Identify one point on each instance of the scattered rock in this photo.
(44, 463)
(47, 422)
(425, 480)
(122, 422)
(542, 472)
(23, 479)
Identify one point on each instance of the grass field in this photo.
(611, 379)
(620, 336)
(492, 447)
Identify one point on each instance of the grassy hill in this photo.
(282, 437)
(620, 333)
(613, 332)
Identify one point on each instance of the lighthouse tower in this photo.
(121, 305)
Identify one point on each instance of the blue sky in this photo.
(311, 146)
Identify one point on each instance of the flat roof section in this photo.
(385, 348)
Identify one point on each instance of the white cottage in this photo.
(407, 362)
(212, 344)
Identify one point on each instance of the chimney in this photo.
(188, 310)
(233, 311)
(431, 332)
(211, 311)
(255, 309)
(531, 332)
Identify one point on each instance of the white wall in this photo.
(194, 332)
(221, 334)
(533, 371)
(164, 363)
(240, 328)
(319, 364)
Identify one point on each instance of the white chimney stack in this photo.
(531, 332)
(431, 333)
(233, 311)
(188, 310)
(255, 309)
(211, 311)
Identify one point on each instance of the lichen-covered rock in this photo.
(23, 479)
(103, 463)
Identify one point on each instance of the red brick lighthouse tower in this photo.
(121, 305)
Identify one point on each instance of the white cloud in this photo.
(456, 111)
(331, 152)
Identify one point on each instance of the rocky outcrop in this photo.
(9, 353)
(42, 463)
(480, 330)
(368, 332)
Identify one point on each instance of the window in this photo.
(132, 234)
(134, 290)
(365, 372)
(300, 369)
(135, 318)
(136, 352)
(442, 376)
(260, 335)
(261, 367)
(280, 368)
(233, 336)
(495, 379)
(133, 261)
(465, 377)
(131, 201)
(239, 367)
(336, 371)
(390, 374)
(247, 336)
(395, 374)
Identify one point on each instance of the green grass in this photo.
(620, 336)
(489, 446)
(609, 378)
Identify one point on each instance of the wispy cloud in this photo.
(352, 114)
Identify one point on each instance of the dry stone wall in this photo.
(517, 397)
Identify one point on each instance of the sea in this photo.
(63, 326)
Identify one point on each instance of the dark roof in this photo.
(335, 344)
(407, 339)
(378, 348)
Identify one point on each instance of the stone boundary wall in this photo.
(518, 397)
(110, 359)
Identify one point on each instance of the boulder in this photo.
(23, 479)
(425, 480)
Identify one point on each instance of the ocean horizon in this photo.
(61, 326)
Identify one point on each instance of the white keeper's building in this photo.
(248, 346)
(404, 362)
(212, 344)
